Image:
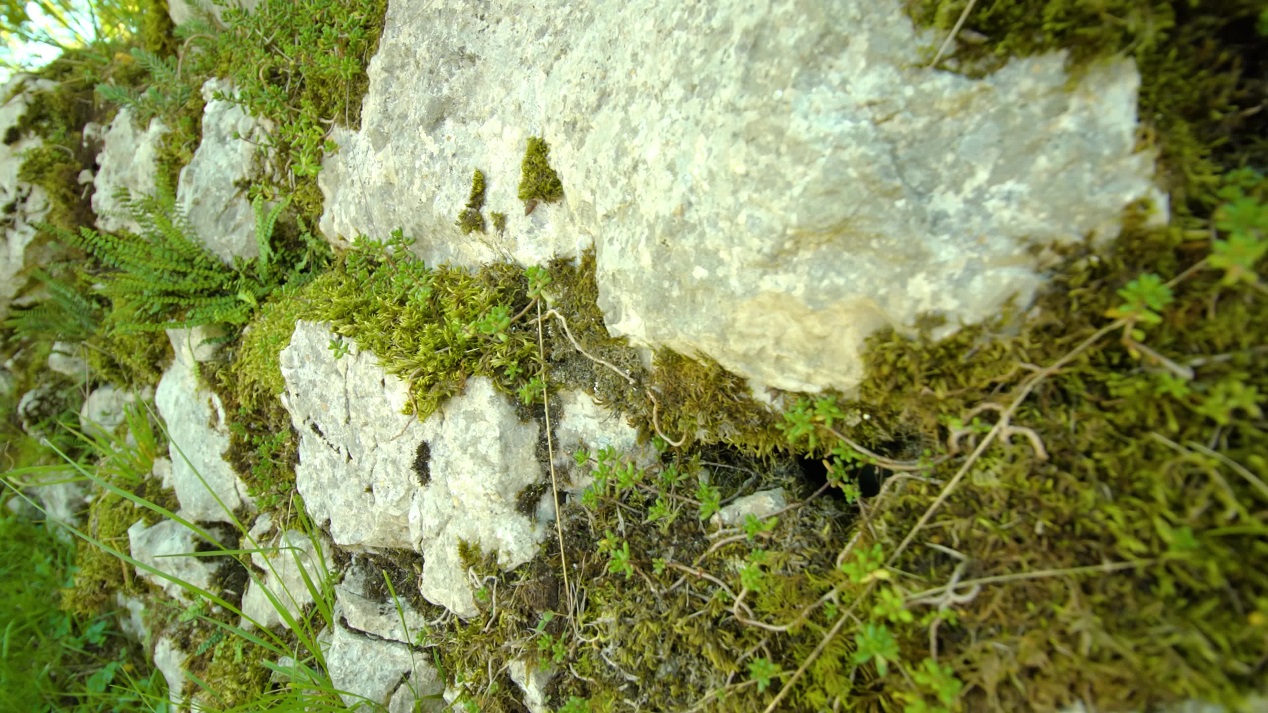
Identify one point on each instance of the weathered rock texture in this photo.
(379, 670)
(206, 486)
(160, 547)
(391, 619)
(356, 449)
(208, 193)
(104, 410)
(764, 182)
(128, 161)
(290, 563)
(382, 479)
(482, 458)
(24, 204)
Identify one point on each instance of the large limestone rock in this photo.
(381, 671)
(208, 191)
(356, 449)
(764, 182)
(24, 205)
(205, 484)
(128, 161)
(482, 458)
(382, 479)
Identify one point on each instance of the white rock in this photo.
(394, 620)
(37, 405)
(128, 161)
(103, 410)
(197, 341)
(356, 449)
(482, 457)
(764, 182)
(359, 460)
(288, 558)
(373, 670)
(65, 359)
(580, 423)
(218, 210)
(132, 617)
(169, 659)
(163, 471)
(62, 497)
(206, 486)
(760, 505)
(168, 547)
(533, 681)
(24, 204)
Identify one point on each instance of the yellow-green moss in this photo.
(471, 219)
(538, 181)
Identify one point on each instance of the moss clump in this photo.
(471, 219)
(538, 181)
(435, 327)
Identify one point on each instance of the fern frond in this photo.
(264, 224)
(163, 71)
(66, 314)
(121, 96)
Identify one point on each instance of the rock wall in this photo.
(764, 182)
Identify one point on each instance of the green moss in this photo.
(157, 28)
(471, 219)
(538, 181)
(435, 327)
(499, 221)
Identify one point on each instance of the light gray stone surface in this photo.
(103, 410)
(361, 465)
(66, 359)
(533, 682)
(482, 457)
(288, 557)
(169, 659)
(128, 161)
(218, 209)
(764, 182)
(373, 670)
(159, 547)
(29, 203)
(206, 486)
(394, 620)
(356, 449)
(761, 504)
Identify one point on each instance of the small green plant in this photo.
(710, 499)
(70, 313)
(763, 671)
(164, 278)
(877, 645)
